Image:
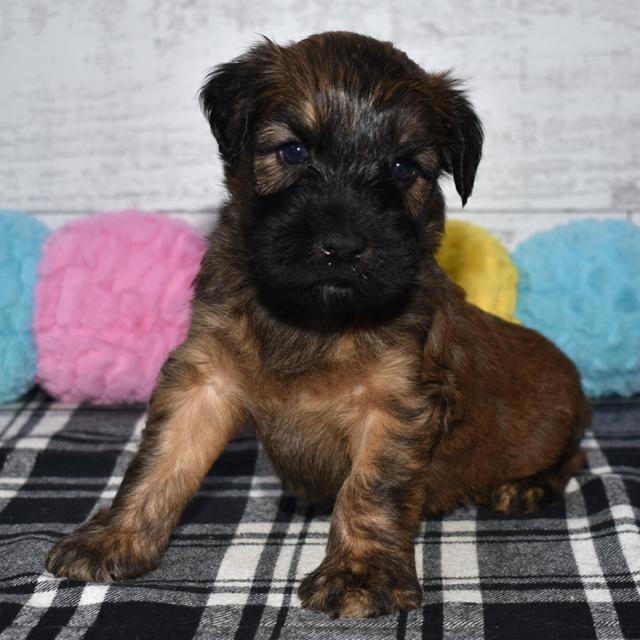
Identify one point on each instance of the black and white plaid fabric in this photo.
(235, 560)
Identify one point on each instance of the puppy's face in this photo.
(332, 148)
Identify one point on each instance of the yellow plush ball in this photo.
(476, 260)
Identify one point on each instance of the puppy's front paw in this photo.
(100, 552)
(361, 589)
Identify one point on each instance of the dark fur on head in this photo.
(357, 105)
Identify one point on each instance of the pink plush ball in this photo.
(112, 300)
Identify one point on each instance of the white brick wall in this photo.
(99, 110)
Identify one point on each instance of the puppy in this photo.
(321, 317)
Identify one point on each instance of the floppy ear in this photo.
(229, 94)
(462, 145)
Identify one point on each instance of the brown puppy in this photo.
(321, 317)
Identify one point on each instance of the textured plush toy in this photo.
(477, 261)
(580, 286)
(21, 238)
(112, 300)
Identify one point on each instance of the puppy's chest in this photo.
(307, 433)
(312, 424)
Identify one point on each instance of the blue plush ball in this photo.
(580, 286)
(21, 238)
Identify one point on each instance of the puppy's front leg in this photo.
(194, 410)
(369, 569)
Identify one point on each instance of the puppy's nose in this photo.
(337, 246)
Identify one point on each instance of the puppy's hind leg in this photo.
(528, 495)
(193, 412)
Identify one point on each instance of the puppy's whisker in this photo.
(359, 272)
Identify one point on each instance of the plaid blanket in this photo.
(239, 552)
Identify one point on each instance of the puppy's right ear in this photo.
(229, 95)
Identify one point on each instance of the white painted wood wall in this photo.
(99, 111)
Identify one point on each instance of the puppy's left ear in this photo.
(463, 136)
(229, 97)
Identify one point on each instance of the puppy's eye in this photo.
(294, 153)
(404, 171)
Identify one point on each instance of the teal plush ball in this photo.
(21, 239)
(580, 286)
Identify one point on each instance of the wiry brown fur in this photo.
(428, 407)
